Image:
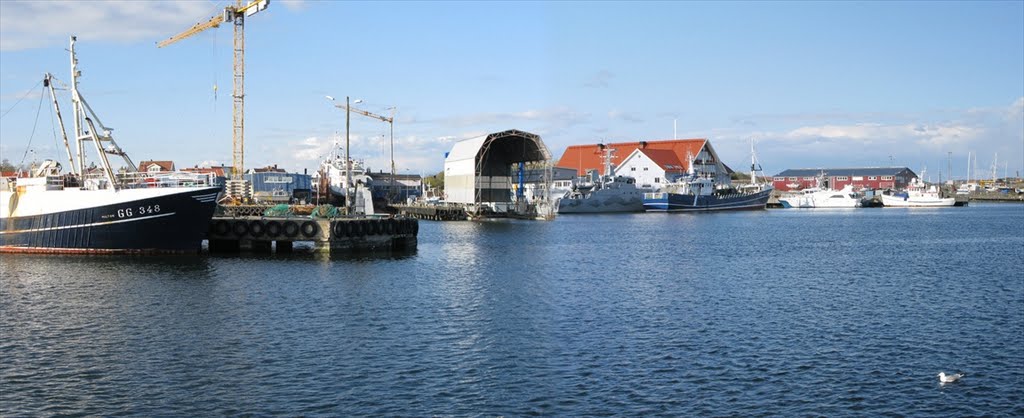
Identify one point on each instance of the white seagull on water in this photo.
(944, 378)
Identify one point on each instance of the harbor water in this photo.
(778, 312)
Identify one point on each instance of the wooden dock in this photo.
(267, 234)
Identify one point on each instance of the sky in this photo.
(813, 84)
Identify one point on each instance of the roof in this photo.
(164, 165)
(666, 159)
(853, 171)
(217, 171)
(589, 157)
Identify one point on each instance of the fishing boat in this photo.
(917, 194)
(603, 194)
(95, 209)
(709, 190)
(334, 175)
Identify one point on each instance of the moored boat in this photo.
(918, 194)
(822, 198)
(603, 194)
(95, 210)
(710, 191)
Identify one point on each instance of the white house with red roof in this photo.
(653, 167)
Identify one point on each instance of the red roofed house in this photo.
(156, 166)
(651, 163)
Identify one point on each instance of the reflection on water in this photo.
(643, 314)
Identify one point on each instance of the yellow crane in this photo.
(235, 14)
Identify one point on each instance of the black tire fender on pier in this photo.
(339, 229)
(309, 229)
(257, 228)
(357, 228)
(391, 228)
(415, 227)
(273, 229)
(291, 229)
(370, 227)
(400, 226)
(240, 228)
(222, 227)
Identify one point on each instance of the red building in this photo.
(837, 178)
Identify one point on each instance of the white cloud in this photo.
(293, 5)
(34, 24)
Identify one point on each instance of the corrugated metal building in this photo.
(405, 186)
(837, 178)
(276, 184)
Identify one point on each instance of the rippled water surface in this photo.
(780, 312)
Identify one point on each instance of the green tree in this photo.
(437, 180)
(6, 165)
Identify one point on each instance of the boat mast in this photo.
(753, 164)
(48, 82)
(82, 119)
(608, 161)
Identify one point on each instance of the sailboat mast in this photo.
(753, 162)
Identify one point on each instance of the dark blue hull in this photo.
(173, 223)
(674, 202)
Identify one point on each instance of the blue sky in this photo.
(816, 84)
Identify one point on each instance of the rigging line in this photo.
(53, 128)
(22, 98)
(34, 126)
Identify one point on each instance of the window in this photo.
(657, 179)
(632, 169)
(886, 177)
(645, 168)
(842, 178)
(779, 179)
(792, 179)
(809, 178)
(873, 178)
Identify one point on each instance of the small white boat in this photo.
(822, 198)
(917, 194)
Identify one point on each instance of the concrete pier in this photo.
(263, 234)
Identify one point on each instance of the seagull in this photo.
(944, 378)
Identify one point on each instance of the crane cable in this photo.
(34, 126)
(22, 98)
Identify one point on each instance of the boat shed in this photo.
(482, 171)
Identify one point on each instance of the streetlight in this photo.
(390, 120)
(348, 160)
